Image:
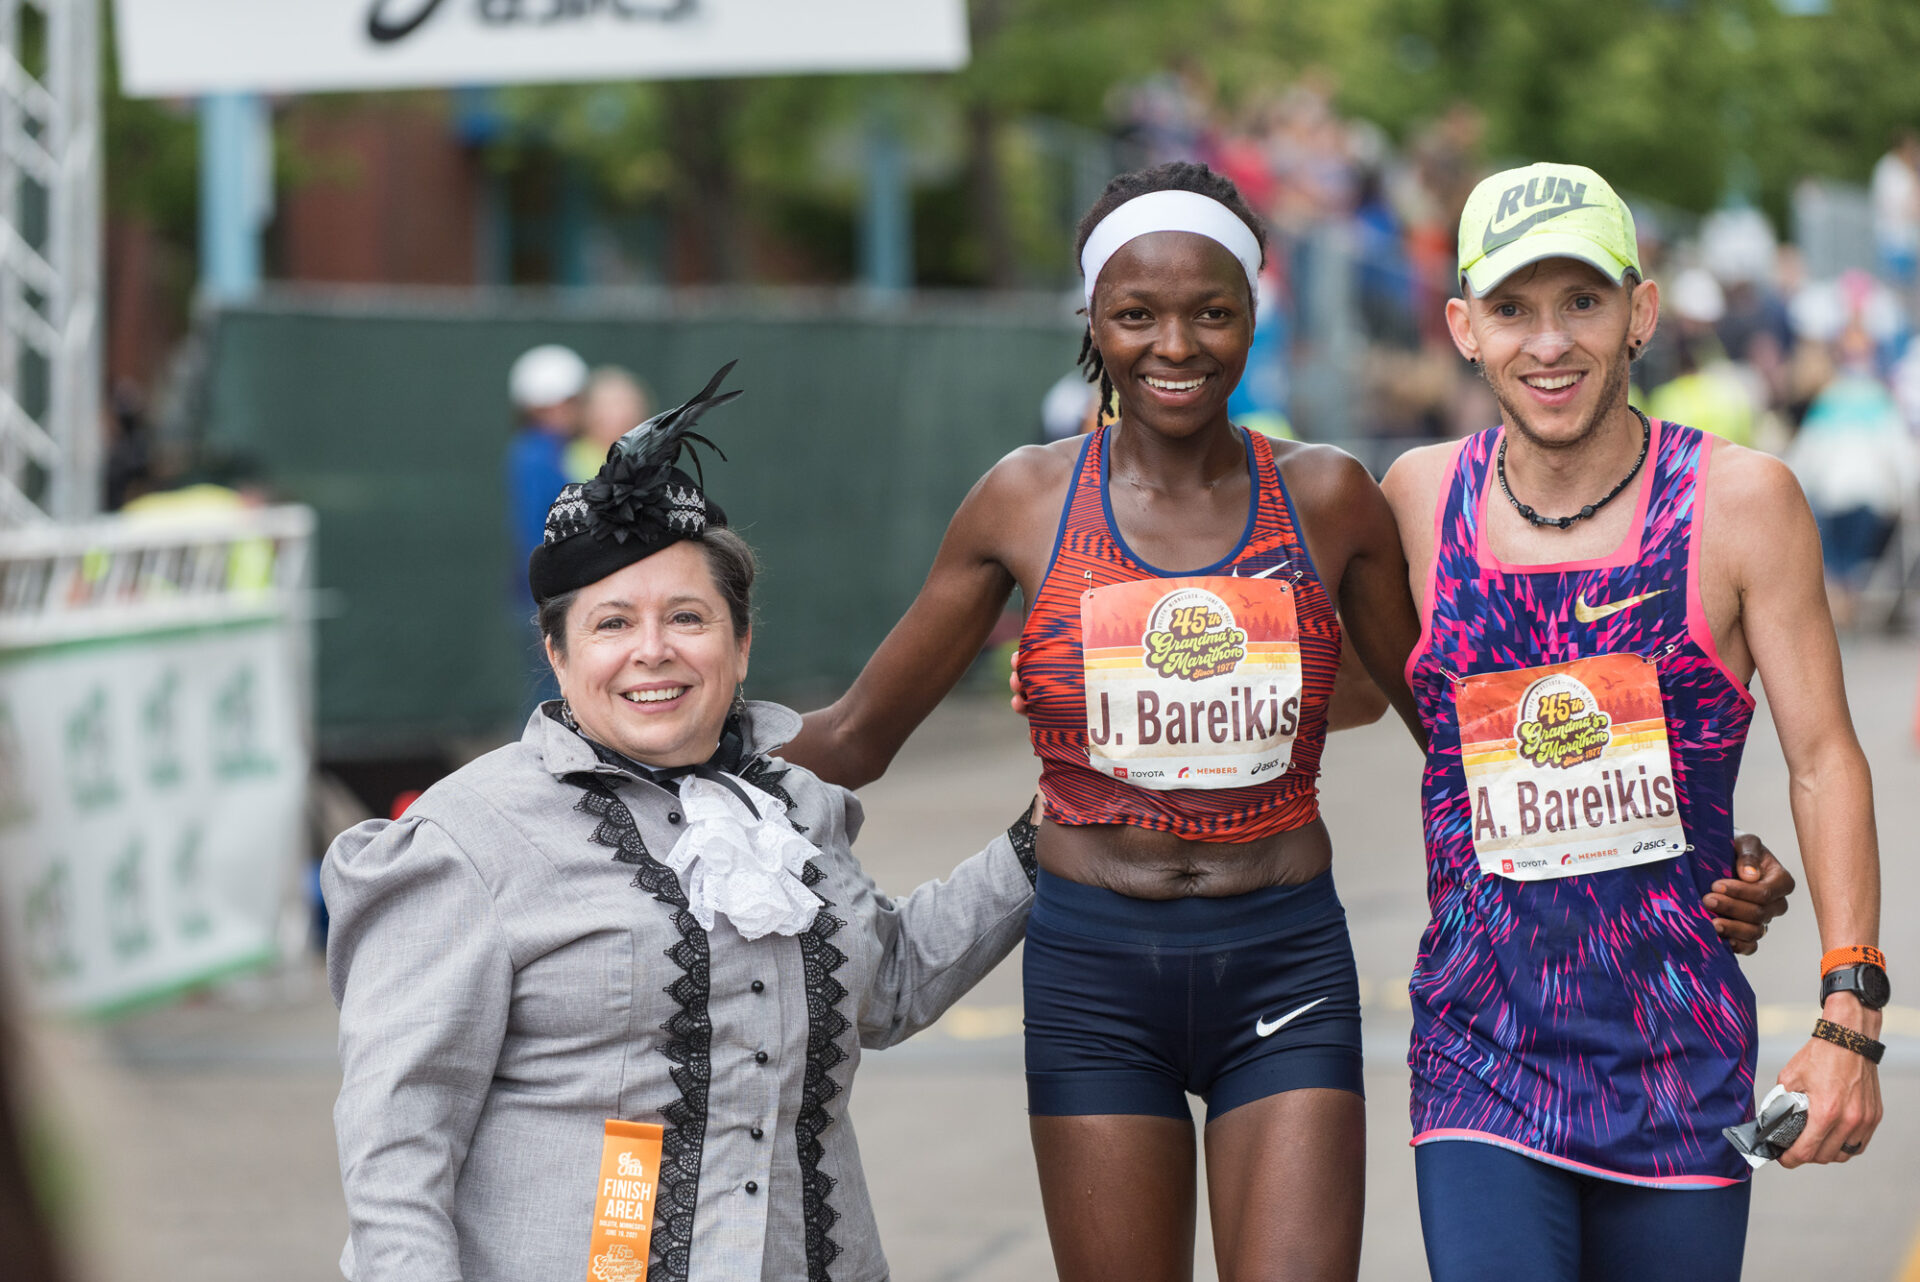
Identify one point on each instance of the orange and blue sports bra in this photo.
(1190, 702)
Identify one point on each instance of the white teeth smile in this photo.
(654, 696)
(1553, 383)
(1168, 385)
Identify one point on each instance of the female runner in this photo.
(1185, 937)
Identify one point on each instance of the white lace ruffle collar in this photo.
(730, 862)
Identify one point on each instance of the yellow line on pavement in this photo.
(984, 1023)
(971, 1023)
(1911, 1272)
(1782, 1018)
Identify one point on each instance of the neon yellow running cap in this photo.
(1521, 216)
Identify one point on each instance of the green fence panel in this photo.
(858, 435)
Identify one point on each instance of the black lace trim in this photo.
(825, 1025)
(689, 1038)
(760, 773)
(1024, 837)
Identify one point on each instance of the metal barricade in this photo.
(155, 746)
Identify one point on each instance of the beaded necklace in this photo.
(1562, 522)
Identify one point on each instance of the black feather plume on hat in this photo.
(639, 493)
(639, 503)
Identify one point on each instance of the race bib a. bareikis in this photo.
(1568, 768)
(1191, 682)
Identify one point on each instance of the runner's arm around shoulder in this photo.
(1757, 513)
(1356, 701)
(1375, 605)
(852, 741)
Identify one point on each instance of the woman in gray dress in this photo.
(636, 912)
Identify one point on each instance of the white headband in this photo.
(1171, 211)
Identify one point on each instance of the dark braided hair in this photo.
(1177, 175)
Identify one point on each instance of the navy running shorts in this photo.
(1132, 1004)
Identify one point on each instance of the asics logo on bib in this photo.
(1594, 613)
(1563, 194)
(1262, 1028)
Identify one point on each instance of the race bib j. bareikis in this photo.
(1191, 682)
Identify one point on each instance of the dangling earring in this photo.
(739, 708)
(566, 715)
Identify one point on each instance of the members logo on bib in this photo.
(1191, 636)
(1191, 682)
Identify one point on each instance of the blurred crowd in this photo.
(1361, 236)
(1824, 372)
(1813, 363)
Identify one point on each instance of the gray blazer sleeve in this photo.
(419, 966)
(939, 941)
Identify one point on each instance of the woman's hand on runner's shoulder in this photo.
(1354, 541)
(1001, 537)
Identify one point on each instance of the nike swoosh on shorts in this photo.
(1488, 244)
(1262, 1028)
(1594, 613)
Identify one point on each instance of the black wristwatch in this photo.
(1864, 980)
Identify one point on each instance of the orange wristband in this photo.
(1856, 955)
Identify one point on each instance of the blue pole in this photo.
(886, 248)
(236, 188)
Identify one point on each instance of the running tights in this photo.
(1492, 1215)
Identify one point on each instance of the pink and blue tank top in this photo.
(1592, 1019)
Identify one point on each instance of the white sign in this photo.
(190, 47)
(151, 793)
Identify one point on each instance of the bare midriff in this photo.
(1148, 864)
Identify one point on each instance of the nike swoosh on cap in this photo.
(1488, 243)
(1594, 613)
(1262, 1028)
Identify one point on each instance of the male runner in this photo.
(1596, 593)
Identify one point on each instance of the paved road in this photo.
(212, 1156)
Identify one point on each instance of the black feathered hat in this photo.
(638, 504)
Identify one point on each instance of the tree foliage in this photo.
(1684, 101)
(1689, 102)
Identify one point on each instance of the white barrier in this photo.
(155, 718)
